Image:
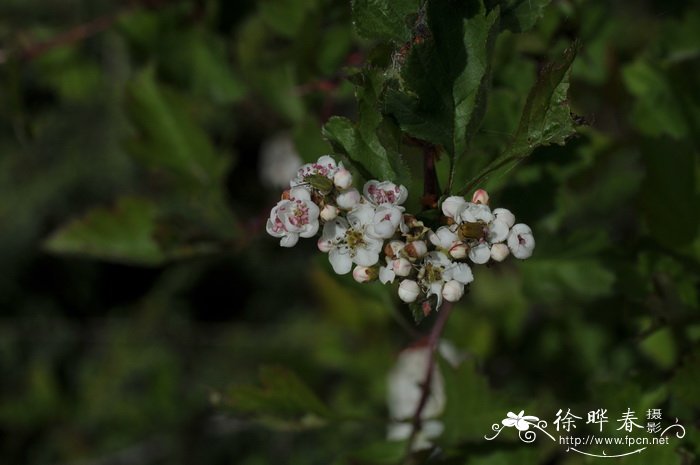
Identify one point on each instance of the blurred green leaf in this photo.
(125, 233)
(285, 17)
(559, 279)
(167, 136)
(282, 400)
(518, 15)
(440, 96)
(669, 191)
(546, 118)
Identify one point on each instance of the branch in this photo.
(433, 340)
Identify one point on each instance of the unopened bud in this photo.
(342, 178)
(459, 251)
(481, 196)
(364, 274)
(416, 249)
(505, 215)
(401, 267)
(452, 291)
(329, 212)
(348, 198)
(408, 290)
(499, 252)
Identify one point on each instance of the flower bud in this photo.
(499, 252)
(342, 178)
(324, 245)
(503, 214)
(416, 249)
(348, 198)
(401, 267)
(392, 248)
(480, 253)
(452, 291)
(453, 206)
(459, 251)
(364, 274)
(329, 212)
(480, 196)
(408, 290)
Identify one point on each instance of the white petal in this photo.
(299, 193)
(361, 215)
(453, 206)
(340, 260)
(311, 230)
(461, 272)
(480, 254)
(521, 242)
(365, 256)
(505, 215)
(289, 240)
(498, 231)
(386, 274)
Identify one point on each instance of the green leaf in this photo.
(384, 19)
(440, 96)
(167, 136)
(561, 279)
(668, 192)
(656, 111)
(546, 118)
(519, 15)
(370, 144)
(282, 400)
(125, 233)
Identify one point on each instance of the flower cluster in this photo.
(371, 234)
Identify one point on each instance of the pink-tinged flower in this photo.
(499, 252)
(293, 217)
(520, 421)
(386, 220)
(385, 192)
(329, 212)
(394, 267)
(325, 167)
(521, 241)
(447, 240)
(364, 274)
(342, 178)
(347, 241)
(480, 196)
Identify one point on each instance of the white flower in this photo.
(404, 393)
(452, 206)
(437, 269)
(325, 167)
(452, 291)
(392, 248)
(497, 231)
(348, 199)
(480, 253)
(342, 178)
(329, 212)
(394, 267)
(480, 196)
(279, 160)
(293, 217)
(503, 214)
(499, 252)
(408, 290)
(521, 421)
(473, 212)
(447, 240)
(364, 274)
(385, 192)
(521, 241)
(347, 240)
(386, 221)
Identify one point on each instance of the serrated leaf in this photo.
(440, 96)
(125, 233)
(519, 15)
(546, 118)
(370, 144)
(384, 19)
(282, 400)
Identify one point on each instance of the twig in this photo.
(433, 340)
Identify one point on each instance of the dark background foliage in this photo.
(137, 284)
